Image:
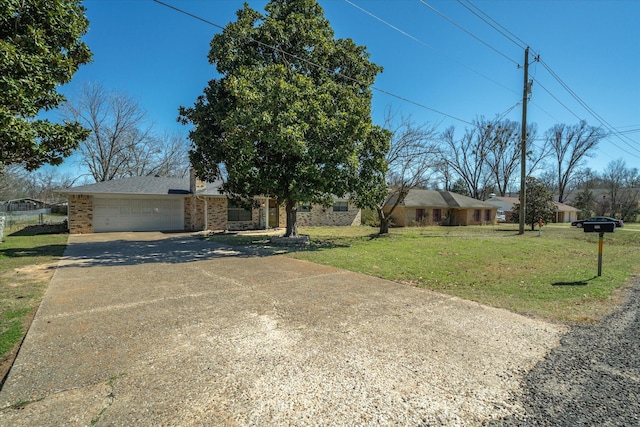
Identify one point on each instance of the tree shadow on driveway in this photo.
(174, 249)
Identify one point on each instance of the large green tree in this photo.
(40, 49)
(539, 201)
(290, 115)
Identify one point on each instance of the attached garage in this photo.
(151, 203)
(144, 203)
(137, 214)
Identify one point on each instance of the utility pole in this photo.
(523, 143)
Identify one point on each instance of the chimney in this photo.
(192, 180)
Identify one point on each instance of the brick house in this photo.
(163, 204)
(431, 207)
(563, 212)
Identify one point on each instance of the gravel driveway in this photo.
(148, 329)
(592, 379)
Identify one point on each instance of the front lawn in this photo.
(27, 260)
(553, 276)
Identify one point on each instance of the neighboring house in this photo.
(171, 204)
(504, 204)
(22, 205)
(430, 207)
(564, 213)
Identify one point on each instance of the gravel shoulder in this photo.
(592, 378)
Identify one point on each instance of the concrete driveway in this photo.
(165, 329)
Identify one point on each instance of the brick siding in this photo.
(320, 216)
(80, 213)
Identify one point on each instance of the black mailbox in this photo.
(599, 227)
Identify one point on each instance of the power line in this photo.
(557, 100)
(420, 105)
(511, 37)
(502, 30)
(468, 32)
(390, 25)
(320, 67)
(189, 14)
(428, 45)
(599, 118)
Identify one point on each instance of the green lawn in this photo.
(22, 284)
(553, 276)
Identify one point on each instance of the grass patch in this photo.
(552, 276)
(26, 259)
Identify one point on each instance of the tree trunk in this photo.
(384, 222)
(292, 219)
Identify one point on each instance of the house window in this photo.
(304, 207)
(487, 215)
(421, 215)
(437, 215)
(237, 213)
(476, 215)
(340, 206)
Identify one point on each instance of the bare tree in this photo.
(409, 160)
(172, 157)
(445, 177)
(42, 184)
(468, 157)
(570, 145)
(12, 182)
(503, 155)
(538, 151)
(622, 184)
(121, 143)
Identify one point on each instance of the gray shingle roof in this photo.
(506, 203)
(142, 185)
(212, 189)
(442, 199)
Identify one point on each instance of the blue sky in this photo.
(159, 56)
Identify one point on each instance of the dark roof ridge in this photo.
(451, 201)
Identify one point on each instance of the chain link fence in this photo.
(11, 221)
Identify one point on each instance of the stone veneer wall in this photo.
(193, 214)
(80, 213)
(282, 216)
(320, 216)
(217, 213)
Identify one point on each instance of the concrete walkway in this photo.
(152, 329)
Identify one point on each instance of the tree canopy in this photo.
(40, 49)
(290, 115)
(539, 203)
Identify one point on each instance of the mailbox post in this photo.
(600, 228)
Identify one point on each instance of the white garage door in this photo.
(137, 214)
